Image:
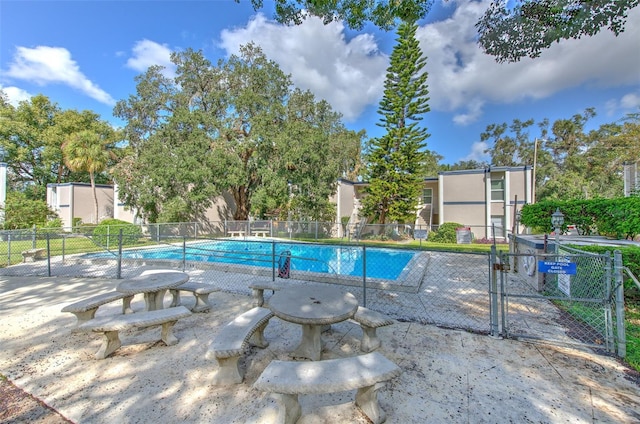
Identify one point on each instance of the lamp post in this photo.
(557, 219)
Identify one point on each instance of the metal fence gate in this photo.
(568, 297)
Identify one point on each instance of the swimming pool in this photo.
(381, 263)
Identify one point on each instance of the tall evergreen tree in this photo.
(396, 162)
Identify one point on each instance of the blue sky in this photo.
(86, 54)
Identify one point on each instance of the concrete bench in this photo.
(259, 286)
(34, 254)
(200, 291)
(367, 373)
(85, 309)
(236, 233)
(369, 321)
(230, 343)
(260, 233)
(110, 326)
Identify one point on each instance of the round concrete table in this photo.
(312, 308)
(153, 284)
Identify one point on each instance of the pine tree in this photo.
(396, 161)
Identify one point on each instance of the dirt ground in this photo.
(18, 406)
(447, 375)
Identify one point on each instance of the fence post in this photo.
(48, 256)
(64, 240)
(184, 253)
(493, 292)
(619, 287)
(33, 237)
(364, 275)
(119, 266)
(9, 249)
(273, 260)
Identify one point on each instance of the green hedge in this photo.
(619, 218)
(630, 259)
(108, 231)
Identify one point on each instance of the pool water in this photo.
(343, 260)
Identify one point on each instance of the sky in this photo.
(86, 55)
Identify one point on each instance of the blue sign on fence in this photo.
(551, 267)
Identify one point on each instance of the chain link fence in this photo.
(448, 289)
(568, 297)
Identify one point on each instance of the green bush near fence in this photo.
(446, 233)
(107, 233)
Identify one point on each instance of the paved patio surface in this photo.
(448, 376)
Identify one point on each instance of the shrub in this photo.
(52, 226)
(446, 233)
(106, 233)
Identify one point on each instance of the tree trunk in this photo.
(95, 196)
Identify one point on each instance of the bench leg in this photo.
(370, 340)
(258, 297)
(167, 333)
(126, 305)
(110, 342)
(202, 303)
(175, 298)
(228, 371)
(367, 401)
(292, 409)
(257, 338)
(85, 316)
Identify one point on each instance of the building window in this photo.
(497, 190)
(427, 196)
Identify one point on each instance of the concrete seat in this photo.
(110, 326)
(85, 309)
(367, 373)
(230, 343)
(369, 321)
(200, 291)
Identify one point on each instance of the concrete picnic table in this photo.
(312, 308)
(153, 284)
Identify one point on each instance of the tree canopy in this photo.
(240, 128)
(32, 135)
(570, 162)
(396, 162)
(355, 13)
(531, 26)
(506, 31)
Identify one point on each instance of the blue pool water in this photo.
(342, 260)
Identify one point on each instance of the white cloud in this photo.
(630, 101)
(478, 152)
(147, 53)
(349, 74)
(44, 65)
(15, 95)
(473, 112)
(462, 77)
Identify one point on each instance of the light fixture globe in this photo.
(557, 219)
